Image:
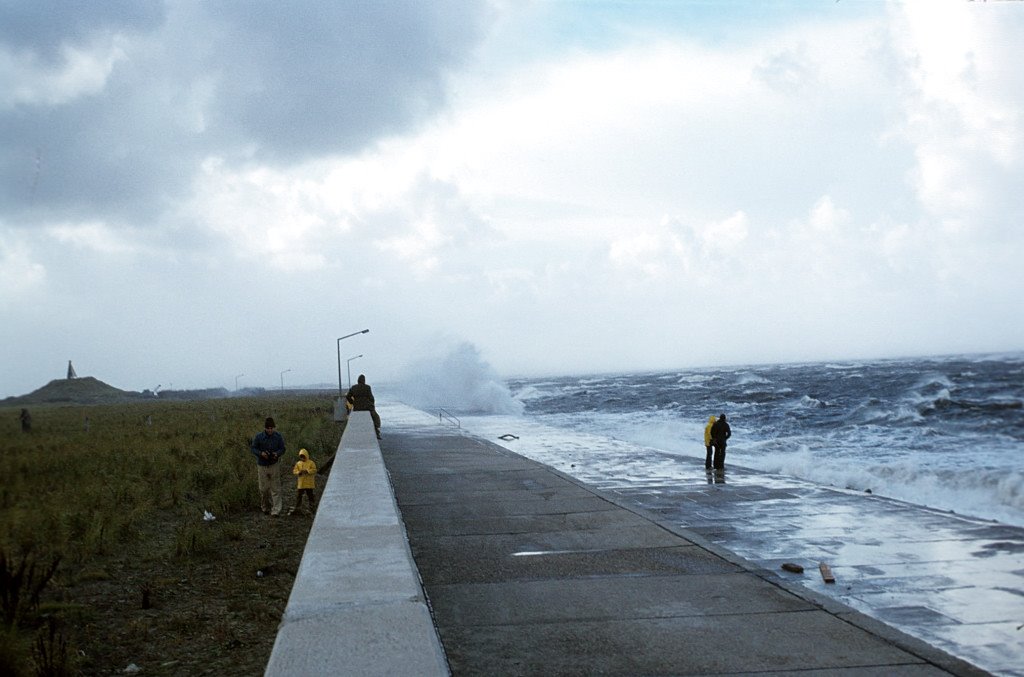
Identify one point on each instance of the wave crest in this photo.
(461, 382)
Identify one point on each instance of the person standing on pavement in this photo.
(720, 433)
(707, 441)
(360, 396)
(268, 448)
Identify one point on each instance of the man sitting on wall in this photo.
(360, 396)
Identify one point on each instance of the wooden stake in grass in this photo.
(826, 573)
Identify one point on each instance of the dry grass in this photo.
(109, 501)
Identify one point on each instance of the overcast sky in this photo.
(192, 191)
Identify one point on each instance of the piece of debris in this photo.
(795, 568)
(208, 516)
(132, 669)
(826, 573)
(508, 437)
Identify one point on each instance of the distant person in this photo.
(360, 396)
(720, 433)
(26, 421)
(707, 441)
(268, 448)
(305, 470)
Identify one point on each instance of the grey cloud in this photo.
(44, 26)
(113, 156)
(256, 80)
(302, 80)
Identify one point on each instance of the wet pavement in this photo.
(531, 571)
(952, 581)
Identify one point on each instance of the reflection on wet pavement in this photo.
(953, 581)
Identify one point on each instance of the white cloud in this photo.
(25, 80)
(654, 253)
(94, 236)
(963, 108)
(21, 277)
(721, 237)
(263, 212)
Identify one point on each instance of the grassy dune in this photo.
(105, 558)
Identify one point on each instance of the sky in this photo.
(209, 194)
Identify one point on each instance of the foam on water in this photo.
(870, 461)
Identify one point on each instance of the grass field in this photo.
(105, 558)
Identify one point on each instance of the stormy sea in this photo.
(944, 432)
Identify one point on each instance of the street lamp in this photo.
(282, 378)
(236, 381)
(348, 364)
(355, 333)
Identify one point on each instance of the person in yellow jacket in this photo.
(305, 471)
(707, 441)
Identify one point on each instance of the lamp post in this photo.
(355, 333)
(236, 381)
(282, 378)
(348, 364)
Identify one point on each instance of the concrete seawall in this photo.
(357, 606)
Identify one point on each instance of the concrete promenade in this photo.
(436, 552)
(529, 572)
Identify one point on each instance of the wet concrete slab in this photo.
(585, 584)
(427, 522)
(593, 599)
(691, 645)
(950, 580)
(529, 505)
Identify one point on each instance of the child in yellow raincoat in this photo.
(305, 470)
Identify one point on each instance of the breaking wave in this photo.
(459, 381)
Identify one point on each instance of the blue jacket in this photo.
(273, 444)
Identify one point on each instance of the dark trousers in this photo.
(308, 493)
(707, 460)
(719, 462)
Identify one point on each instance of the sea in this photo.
(943, 432)
(906, 474)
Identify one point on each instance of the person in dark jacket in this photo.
(360, 396)
(720, 433)
(268, 448)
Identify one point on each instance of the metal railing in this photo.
(445, 415)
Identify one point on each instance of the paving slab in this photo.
(427, 522)
(531, 572)
(673, 646)
(593, 599)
